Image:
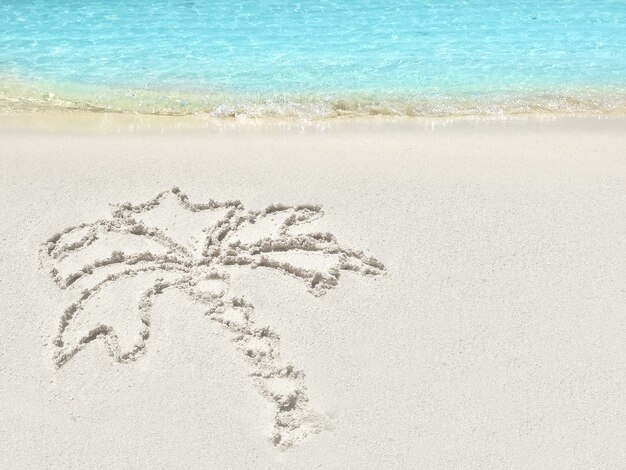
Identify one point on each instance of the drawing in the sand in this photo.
(171, 243)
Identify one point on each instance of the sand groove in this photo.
(191, 253)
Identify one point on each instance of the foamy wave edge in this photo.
(23, 98)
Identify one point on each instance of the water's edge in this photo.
(24, 97)
(86, 122)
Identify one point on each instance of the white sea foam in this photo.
(22, 96)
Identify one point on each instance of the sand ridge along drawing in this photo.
(171, 243)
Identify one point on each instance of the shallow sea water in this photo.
(314, 59)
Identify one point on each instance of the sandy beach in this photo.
(466, 310)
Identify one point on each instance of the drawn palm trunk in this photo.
(169, 243)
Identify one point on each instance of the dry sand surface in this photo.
(390, 295)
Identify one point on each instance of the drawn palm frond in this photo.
(170, 243)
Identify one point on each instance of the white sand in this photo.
(493, 337)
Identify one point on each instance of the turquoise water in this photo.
(314, 58)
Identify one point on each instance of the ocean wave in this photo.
(20, 96)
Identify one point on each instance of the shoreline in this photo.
(223, 106)
(90, 122)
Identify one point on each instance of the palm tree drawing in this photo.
(169, 243)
